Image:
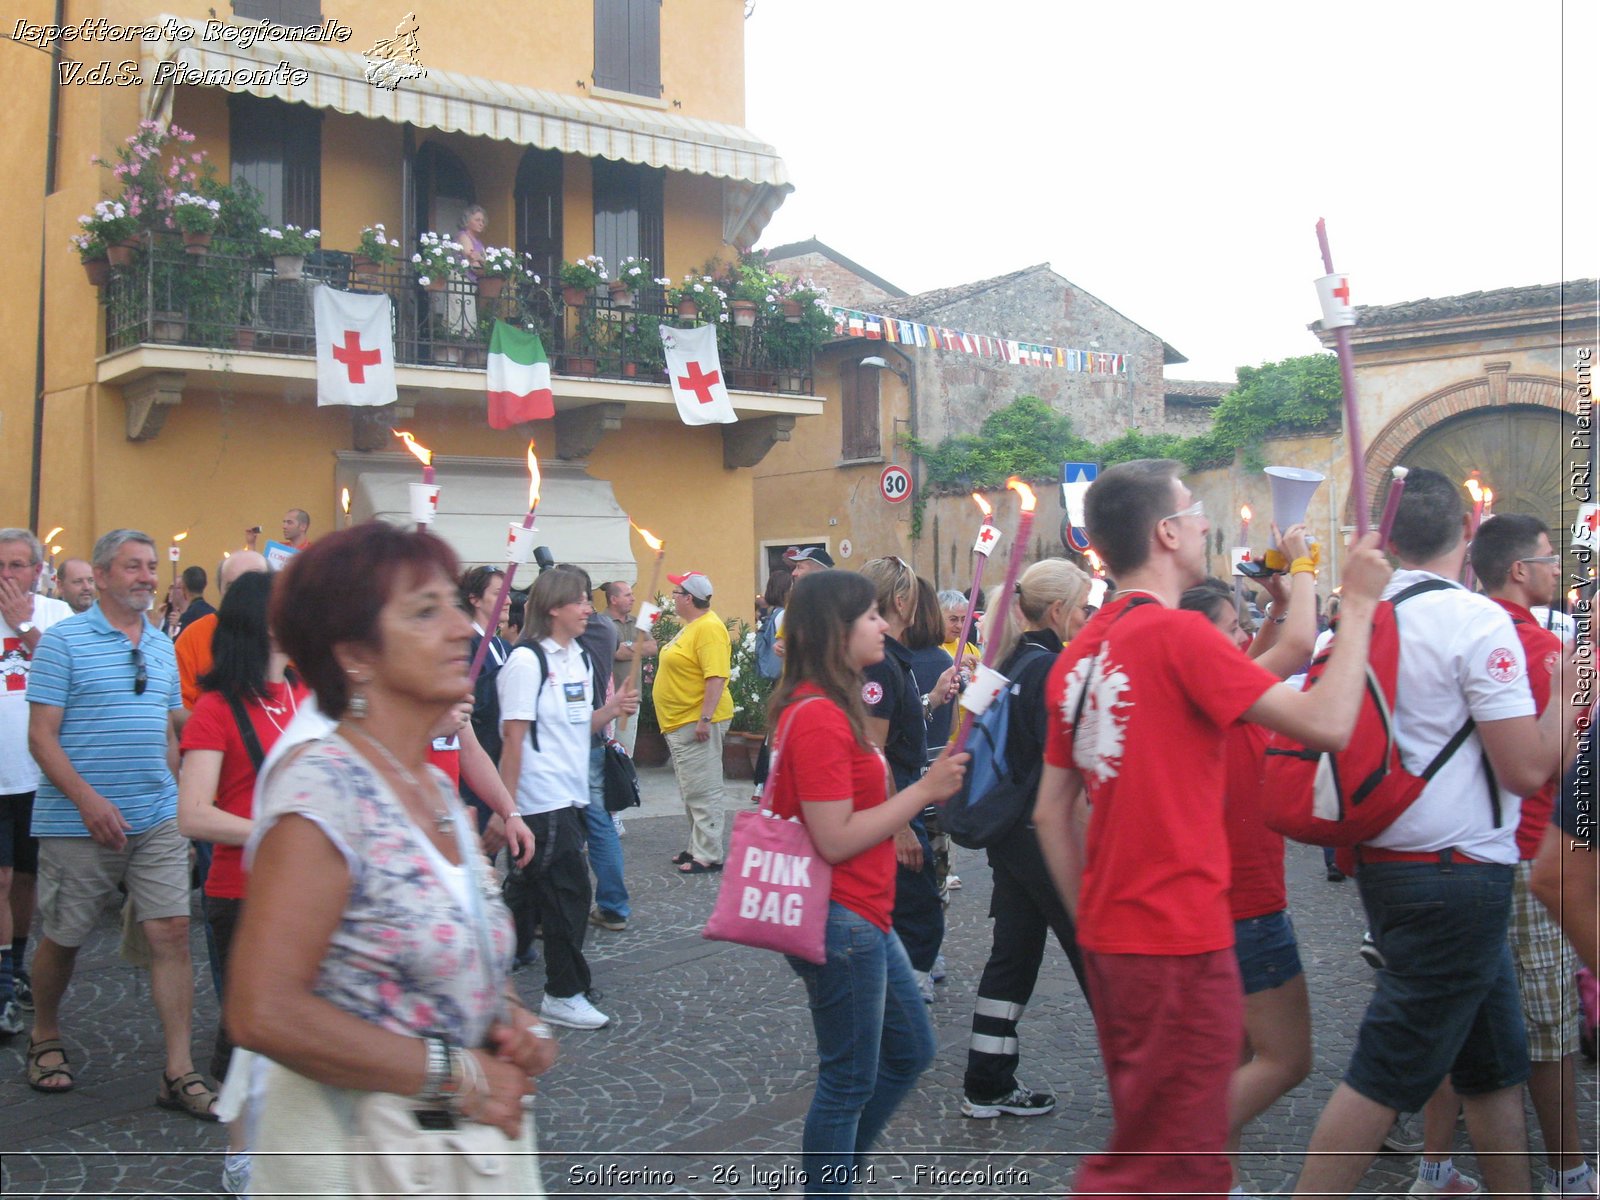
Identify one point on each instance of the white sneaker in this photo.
(575, 1012)
(236, 1174)
(952, 882)
(1458, 1185)
(938, 972)
(925, 986)
(11, 1022)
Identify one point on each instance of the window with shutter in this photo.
(628, 219)
(285, 12)
(277, 149)
(858, 411)
(627, 46)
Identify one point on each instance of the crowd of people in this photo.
(322, 759)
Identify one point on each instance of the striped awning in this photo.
(474, 105)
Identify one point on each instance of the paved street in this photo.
(700, 1084)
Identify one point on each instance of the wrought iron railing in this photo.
(226, 301)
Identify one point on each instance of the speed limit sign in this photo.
(895, 484)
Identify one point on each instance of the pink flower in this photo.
(389, 991)
(444, 933)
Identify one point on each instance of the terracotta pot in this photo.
(687, 308)
(491, 286)
(244, 338)
(621, 297)
(743, 312)
(121, 254)
(474, 356)
(650, 748)
(574, 297)
(98, 270)
(446, 354)
(196, 243)
(366, 271)
(579, 365)
(167, 326)
(438, 283)
(791, 309)
(630, 370)
(289, 266)
(739, 752)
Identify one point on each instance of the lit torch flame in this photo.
(424, 455)
(1094, 561)
(344, 501)
(1029, 500)
(178, 537)
(1488, 500)
(988, 509)
(533, 478)
(53, 534)
(55, 549)
(1474, 489)
(650, 539)
(1245, 514)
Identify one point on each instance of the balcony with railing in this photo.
(217, 302)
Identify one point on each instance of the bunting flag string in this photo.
(849, 322)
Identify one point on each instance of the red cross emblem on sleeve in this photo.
(355, 359)
(1503, 665)
(698, 382)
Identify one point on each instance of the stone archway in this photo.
(1512, 428)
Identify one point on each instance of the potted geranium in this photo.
(113, 227)
(288, 248)
(699, 296)
(500, 265)
(439, 260)
(375, 251)
(632, 274)
(753, 287)
(92, 254)
(579, 279)
(196, 218)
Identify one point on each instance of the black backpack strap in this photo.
(544, 674)
(1417, 589)
(247, 733)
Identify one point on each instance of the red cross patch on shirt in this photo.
(1503, 665)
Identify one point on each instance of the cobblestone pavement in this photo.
(700, 1084)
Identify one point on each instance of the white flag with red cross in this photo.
(696, 375)
(1334, 293)
(355, 348)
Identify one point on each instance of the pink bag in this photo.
(775, 886)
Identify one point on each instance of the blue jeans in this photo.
(874, 1039)
(605, 848)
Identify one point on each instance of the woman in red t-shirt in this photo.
(1277, 1008)
(874, 1037)
(216, 784)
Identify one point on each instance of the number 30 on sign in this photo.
(895, 484)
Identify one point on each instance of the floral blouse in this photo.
(405, 955)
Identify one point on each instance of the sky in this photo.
(1173, 158)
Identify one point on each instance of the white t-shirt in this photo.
(556, 775)
(18, 772)
(1459, 656)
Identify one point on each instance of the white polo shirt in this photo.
(562, 706)
(1459, 657)
(18, 774)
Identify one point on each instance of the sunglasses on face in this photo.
(1547, 560)
(1197, 509)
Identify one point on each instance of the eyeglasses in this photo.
(1197, 509)
(21, 564)
(679, 592)
(141, 677)
(1547, 560)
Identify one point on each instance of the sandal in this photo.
(695, 867)
(39, 1074)
(682, 857)
(189, 1094)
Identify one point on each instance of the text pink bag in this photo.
(775, 886)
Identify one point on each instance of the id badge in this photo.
(578, 707)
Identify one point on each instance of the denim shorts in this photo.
(1268, 954)
(1446, 1001)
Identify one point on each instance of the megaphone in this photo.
(1292, 489)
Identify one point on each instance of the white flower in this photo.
(313, 233)
(424, 280)
(416, 258)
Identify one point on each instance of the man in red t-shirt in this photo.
(1142, 698)
(1519, 568)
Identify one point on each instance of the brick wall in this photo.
(844, 286)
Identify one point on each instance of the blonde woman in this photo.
(1029, 629)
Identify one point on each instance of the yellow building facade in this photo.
(527, 110)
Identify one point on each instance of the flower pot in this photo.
(446, 354)
(739, 752)
(196, 243)
(98, 270)
(438, 283)
(650, 748)
(630, 370)
(475, 356)
(289, 266)
(574, 297)
(687, 308)
(491, 286)
(366, 271)
(578, 364)
(621, 297)
(743, 311)
(244, 338)
(121, 254)
(791, 309)
(167, 326)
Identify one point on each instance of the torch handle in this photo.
(1391, 506)
(635, 671)
(494, 624)
(1352, 419)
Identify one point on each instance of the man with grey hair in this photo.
(24, 616)
(106, 811)
(75, 584)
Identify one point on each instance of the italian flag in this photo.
(519, 378)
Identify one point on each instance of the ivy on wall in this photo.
(1029, 439)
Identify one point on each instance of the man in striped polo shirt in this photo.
(104, 713)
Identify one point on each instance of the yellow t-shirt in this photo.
(701, 651)
(950, 649)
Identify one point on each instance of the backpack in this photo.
(768, 664)
(1344, 798)
(993, 798)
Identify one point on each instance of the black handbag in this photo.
(621, 780)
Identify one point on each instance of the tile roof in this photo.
(1511, 299)
(1202, 390)
(813, 246)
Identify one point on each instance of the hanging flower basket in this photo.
(289, 266)
(120, 254)
(744, 312)
(98, 270)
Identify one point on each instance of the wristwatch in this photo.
(26, 627)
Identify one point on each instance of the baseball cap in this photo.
(814, 554)
(696, 584)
